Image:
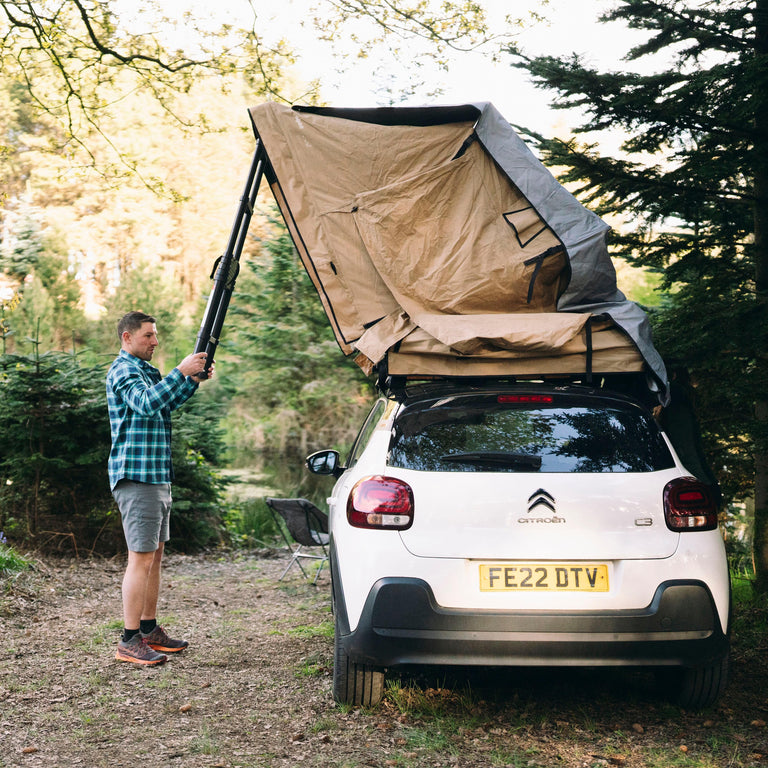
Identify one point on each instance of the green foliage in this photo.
(146, 288)
(439, 705)
(750, 621)
(56, 439)
(22, 246)
(292, 377)
(46, 309)
(458, 25)
(691, 186)
(197, 447)
(76, 61)
(54, 490)
(250, 524)
(717, 342)
(11, 562)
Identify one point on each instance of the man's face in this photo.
(141, 343)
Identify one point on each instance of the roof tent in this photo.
(440, 246)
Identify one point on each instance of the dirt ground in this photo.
(254, 688)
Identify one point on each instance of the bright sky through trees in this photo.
(571, 26)
(379, 79)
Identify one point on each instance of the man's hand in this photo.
(200, 377)
(193, 365)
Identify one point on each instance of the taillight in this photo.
(380, 502)
(689, 505)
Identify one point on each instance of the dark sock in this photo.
(147, 625)
(129, 633)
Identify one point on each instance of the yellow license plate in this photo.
(544, 577)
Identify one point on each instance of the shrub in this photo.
(54, 489)
(11, 561)
(56, 439)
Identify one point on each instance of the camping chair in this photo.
(307, 526)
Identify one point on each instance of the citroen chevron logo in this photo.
(541, 498)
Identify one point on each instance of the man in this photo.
(140, 402)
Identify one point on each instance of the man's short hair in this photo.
(132, 322)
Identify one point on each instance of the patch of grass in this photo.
(27, 685)
(323, 629)
(18, 579)
(512, 758)
(407, 760)
(113, 625)
(204, 743)
(298, 587)
(314, 667)
(264, 760)
(724, 748)
(411, 699)
(674, 757)
(227, 626)
(430, 738)
(100, 635)
(249, 523)
(324, 724)
(442, 714)
(750, 619)
(168, 682)
(11, 562)
(97, 680)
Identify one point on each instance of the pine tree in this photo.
(292, 377)
(697, 211)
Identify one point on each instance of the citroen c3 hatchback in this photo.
(481, 520)
(519, 525)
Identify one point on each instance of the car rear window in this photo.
(487, 436)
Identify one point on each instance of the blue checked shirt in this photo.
(140, 402)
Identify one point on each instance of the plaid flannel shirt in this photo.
(140, 402)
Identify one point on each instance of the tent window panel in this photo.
(526, 224)
(538, 261)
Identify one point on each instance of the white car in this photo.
(516, 525)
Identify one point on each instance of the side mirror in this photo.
(325, 463)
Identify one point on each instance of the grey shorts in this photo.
(145, 509)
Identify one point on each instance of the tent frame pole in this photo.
(227, 266)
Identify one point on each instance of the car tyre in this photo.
(357, 684)
(700, 687)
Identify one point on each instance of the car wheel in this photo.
(700, 687)
(356, 684)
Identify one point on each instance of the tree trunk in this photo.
(760, 155)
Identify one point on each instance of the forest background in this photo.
(122, 160)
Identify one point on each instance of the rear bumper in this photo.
(402, 623)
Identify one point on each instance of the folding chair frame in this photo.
(315, 522)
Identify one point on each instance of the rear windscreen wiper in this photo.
(498, 458)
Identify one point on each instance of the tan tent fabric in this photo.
(318, 176)
(435, 258)
(421, 354)
(381, 336)
(526, 334)
(523, 334)
(437, 226)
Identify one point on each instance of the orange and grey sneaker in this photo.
(158, 640)
(137, 651)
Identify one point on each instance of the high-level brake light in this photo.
(524, 399)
